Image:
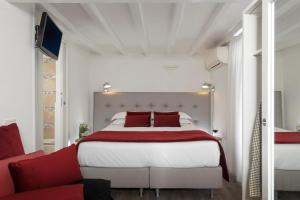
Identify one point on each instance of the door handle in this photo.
(264, 122)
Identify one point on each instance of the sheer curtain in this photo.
(235, 106)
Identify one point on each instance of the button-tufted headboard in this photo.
(196, 105)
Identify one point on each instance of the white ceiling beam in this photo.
(286, 7)
(205, 30)
(121, 1)
(91, 8)
(54, 12)
(176, 24)
(137, 13)
(283, 34)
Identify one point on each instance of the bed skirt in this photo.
(158, 177)
(287, 180)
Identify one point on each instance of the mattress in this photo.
(287, 156)
(130, 154)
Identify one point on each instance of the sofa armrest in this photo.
(66, 192)
(95, 189)
(6, 182)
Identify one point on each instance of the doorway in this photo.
(52, 115)
(48, 103)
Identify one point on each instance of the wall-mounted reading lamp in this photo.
(210, 88)
(106, 88)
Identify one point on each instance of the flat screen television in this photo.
(49, 37)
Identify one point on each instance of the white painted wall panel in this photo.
(17, 69)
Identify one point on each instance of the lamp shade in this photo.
(106, 86)
(208, 86)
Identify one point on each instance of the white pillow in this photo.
(183, 115)
(120, 115)
(118, 122)
(281, 130)
(185, 121)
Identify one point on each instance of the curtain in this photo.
(235, 65)
(255, 159)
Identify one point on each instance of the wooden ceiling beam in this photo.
(176, 24)
(54, 12)
(288, 5)
(205, 30)
(138, 15)
(121, 1)
(93, 11)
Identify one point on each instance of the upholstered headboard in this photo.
(278, 109)
(196, 105)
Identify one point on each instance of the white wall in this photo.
(147, 74)
(219, 78)
(287, 79)
(78, 88)
(17, 69)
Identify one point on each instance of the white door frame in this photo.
(60, 118)
(61, 138)
(268, 99)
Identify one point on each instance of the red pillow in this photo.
(10, 141)
(137, 121)
(6, 181)
(166, 121)
(58, 168)
(166, 113)
(138, 113)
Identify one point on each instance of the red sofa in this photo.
(12, 152)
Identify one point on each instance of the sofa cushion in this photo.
(6, 181)
(67, 192)
(10, 141)
(56, 169)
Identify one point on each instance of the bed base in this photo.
(159, 177)
(287, 180)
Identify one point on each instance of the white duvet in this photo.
(130, 154)
(286, 156)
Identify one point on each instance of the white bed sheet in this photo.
(130, 154)
(287, 156)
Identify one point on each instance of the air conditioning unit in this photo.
(215, 58)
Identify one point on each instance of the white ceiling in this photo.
(287, 23)
(148, 27)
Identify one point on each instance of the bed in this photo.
(156, 165)
(287, 165)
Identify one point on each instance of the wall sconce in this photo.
(208, 86)
(106, 87)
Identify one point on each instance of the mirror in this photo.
(287, 100)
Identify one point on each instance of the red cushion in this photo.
(6, 181)
(58, 168)
(137, 121)
(66, 192)
(166, 113)
(138, 113)
(166, 121)
(10, 141)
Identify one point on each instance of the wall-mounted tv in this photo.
(49, 37)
